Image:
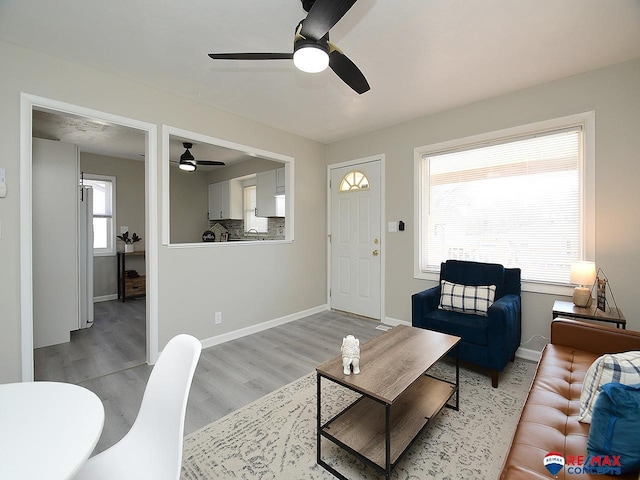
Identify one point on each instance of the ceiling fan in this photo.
(312, 50)
(188, 162)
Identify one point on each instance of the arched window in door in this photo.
(354, 180)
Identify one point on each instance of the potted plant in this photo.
(129, 241)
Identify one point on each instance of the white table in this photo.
(47, 429)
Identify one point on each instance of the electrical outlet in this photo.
(218, 318)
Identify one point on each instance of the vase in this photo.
(128, 248)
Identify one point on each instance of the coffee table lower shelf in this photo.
(380, 433)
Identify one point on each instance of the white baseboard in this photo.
(105, 298)
(528, 354)
(243, 332)
(395, 321)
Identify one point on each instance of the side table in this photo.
(128, 287)
(568, 309)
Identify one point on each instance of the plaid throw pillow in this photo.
(611, 367)
(466, 298)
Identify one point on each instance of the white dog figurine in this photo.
(350, 354)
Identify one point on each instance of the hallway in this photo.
(115, 342)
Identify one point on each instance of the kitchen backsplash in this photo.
(236, 228)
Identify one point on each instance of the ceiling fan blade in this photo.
(209, 162)
(348, 72)
(323, 15)
(251, 56)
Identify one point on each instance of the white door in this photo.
(355, 239)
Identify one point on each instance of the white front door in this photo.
(355, 239)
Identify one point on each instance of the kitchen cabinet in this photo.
(225, 200)
(280, 181)
(269, 202)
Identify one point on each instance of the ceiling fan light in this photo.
(311, 58)
(187, 165)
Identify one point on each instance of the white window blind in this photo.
(516, 201)
(103, 212)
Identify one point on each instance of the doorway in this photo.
(149, 131)
(356, 238)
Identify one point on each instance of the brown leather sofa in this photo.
(549, 419)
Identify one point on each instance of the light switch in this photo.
(393, 226)
(124, 229)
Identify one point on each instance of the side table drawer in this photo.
(135, 286)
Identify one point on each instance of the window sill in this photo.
(531, 287)
(226, 244)
(104, 254)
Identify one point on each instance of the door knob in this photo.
(375, 253)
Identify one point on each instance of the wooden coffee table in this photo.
(397, 397)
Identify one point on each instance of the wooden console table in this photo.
(129, 287)
(568, 309)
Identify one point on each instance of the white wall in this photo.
(249, 284)
(613, 93)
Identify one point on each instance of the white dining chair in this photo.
(152, 449)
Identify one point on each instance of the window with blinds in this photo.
(514, 201)
(104, 205)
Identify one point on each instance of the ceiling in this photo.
(419, 56)
(104, 138)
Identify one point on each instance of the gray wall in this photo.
(249, 284)
(613, 93)
(189, 211)
(130, 206)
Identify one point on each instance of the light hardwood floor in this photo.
(115, 342)
(231, 375)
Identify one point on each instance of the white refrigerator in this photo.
(85, 254)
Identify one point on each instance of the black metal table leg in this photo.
(388, 441)
(124, 272)
(458, 376)
(318, 414)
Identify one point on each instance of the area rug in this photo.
(275, 437)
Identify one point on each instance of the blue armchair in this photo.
(489, 341)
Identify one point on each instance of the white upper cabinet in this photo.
(225, 200)
(270, 191)
(265, 194)
(280, 181)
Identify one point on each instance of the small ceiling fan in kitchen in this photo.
(188, 162)
(312, 50)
